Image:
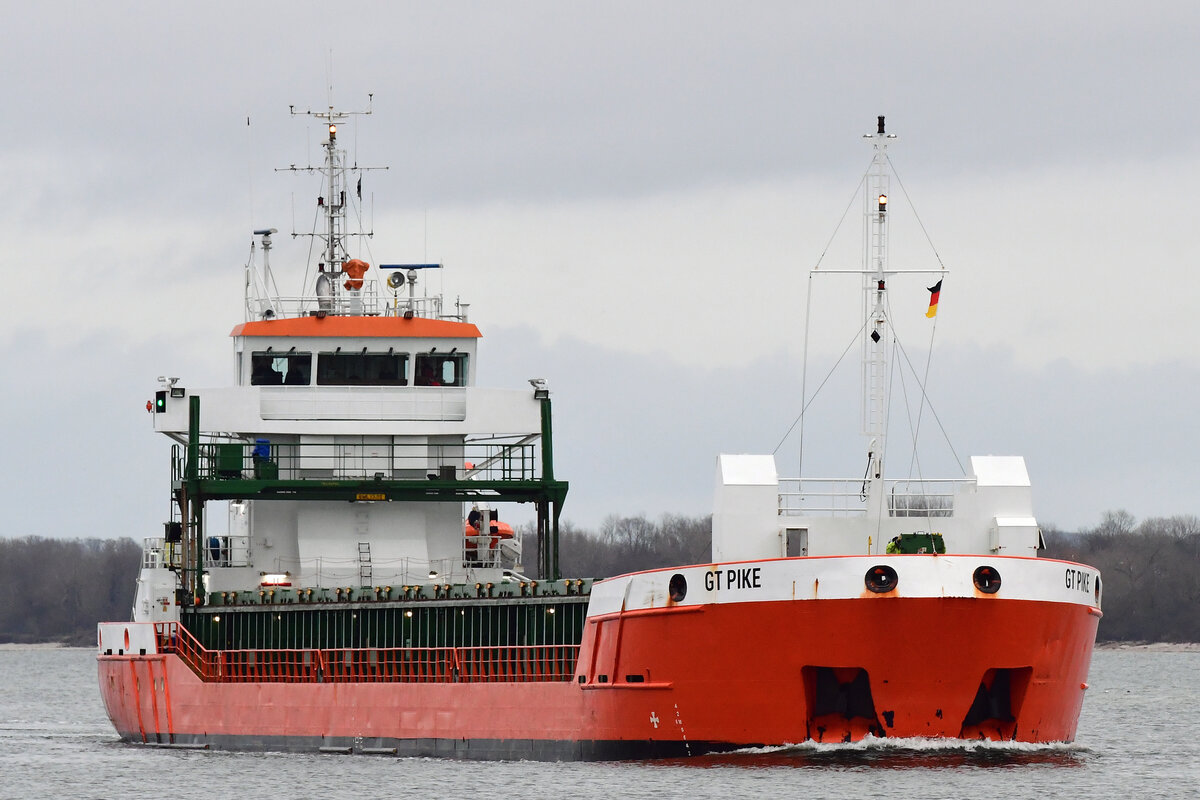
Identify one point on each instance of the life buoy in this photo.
(355, 268)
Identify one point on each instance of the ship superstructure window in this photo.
(280, 369)
(362, 369)
(441, 369)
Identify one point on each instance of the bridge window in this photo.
(362, 369)
(441, 369)
(280, 369)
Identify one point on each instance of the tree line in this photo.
(57, 590)
(629, 544)
(1150, 573)
(1150, 570)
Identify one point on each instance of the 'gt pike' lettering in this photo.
(733, 578)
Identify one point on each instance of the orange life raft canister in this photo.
(355, 268)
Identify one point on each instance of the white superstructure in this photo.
(357, 392)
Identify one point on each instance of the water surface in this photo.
(1138, 737)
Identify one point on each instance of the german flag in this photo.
(934, 292)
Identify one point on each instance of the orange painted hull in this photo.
(662, 682)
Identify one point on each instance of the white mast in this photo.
(876, 337)
(335, 201)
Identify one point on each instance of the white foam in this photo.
(918, 745)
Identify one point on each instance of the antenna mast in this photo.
(334, 202)
(332, 229)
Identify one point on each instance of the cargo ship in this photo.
(339, 572)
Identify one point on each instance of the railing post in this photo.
(548, 539)
(196, 503)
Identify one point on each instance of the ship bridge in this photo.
(353, 450)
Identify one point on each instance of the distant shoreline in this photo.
(34, 646)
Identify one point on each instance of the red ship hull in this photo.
(678, 680)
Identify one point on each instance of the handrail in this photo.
(498, 664)
(226, 459)
(158, 553)
(846, 496)
(372, 300)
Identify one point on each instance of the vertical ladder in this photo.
(364, 563)
(362, 531)
(876, 335)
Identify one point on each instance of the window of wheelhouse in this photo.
(280, 369)
(362, 369)
(441, 369)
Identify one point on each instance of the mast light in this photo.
(883, 202)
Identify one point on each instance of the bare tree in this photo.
(58, 589)
(1151, 574)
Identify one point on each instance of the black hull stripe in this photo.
(466, 749)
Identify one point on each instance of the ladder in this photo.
(364, 563)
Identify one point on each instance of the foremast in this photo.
(877, 338)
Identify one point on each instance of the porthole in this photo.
(677, 588)
(881, 579)
(1097, 591)
(987, 579)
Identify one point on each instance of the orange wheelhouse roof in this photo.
(349, 327)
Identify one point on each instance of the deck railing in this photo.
(497, 664)
(847, 497)
(369, 301)
(158, 553)
(365, 459)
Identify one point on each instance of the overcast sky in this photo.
(630, 195)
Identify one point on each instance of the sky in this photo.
(631, 196)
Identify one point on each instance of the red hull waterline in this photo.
(665, 681)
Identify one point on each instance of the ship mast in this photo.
(876, 337)
(334, 202)
(333, 230)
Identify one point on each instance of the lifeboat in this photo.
(498, 530)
